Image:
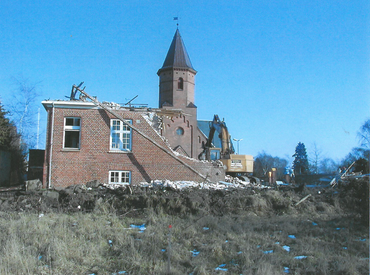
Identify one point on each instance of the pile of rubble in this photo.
(86, 197)
(184, 197)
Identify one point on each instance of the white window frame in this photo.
(124, 143)
(119, 177)
(72, 128)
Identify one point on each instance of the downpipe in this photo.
(51, 145)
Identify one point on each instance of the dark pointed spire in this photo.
(177, 56)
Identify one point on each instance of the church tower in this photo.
(176, 77)
(176, 91)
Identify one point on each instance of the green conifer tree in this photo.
(10, 144)
(300, 163)
(5, 129)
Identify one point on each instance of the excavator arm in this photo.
(220, 127)
(234, 164)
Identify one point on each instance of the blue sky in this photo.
(279, 72)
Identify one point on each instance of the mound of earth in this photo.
(349, 198)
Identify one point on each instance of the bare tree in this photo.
(23, 110)
(328, 166)
(364, 135)
(264, 162)
(360, 155)
(315, 157)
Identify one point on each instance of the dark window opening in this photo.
(180, 84)
(72, 121)
(72, 139)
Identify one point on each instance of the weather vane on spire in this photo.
(176, 19)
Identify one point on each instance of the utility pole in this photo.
(237, 140)
(38, 129)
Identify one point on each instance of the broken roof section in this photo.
(177, 56)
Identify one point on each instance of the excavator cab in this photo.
(214, 153)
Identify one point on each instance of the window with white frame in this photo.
(72, 130)
(119, 177)
(120, 135)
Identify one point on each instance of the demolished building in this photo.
(88, 140)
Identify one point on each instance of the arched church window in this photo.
(180, 83)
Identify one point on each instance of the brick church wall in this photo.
(94, 160)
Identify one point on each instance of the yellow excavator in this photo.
(235, 165)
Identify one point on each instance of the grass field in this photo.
(261, 233)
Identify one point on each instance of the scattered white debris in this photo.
(195, 253)
(114, 186)
(221, 267)
(229, 182)
(179, 185)
(300, 257)
(225, 182)
(41, 215)
(281, 183)
(140, 227)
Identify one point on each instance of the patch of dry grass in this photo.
(79, 243)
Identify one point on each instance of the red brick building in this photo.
(85, 142)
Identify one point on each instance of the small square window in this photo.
(120, 177)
